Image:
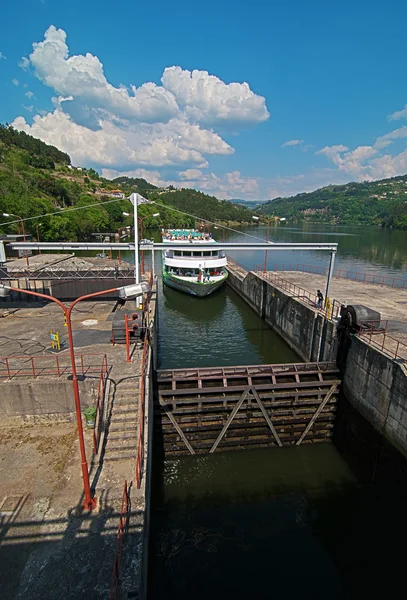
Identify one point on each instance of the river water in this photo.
(272, 523)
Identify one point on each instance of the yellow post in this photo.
(328, 307)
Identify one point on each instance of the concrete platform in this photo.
(66, 262)
(391, 303)
(49, 547)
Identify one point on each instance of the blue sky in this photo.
(241, 99)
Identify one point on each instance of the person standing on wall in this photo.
(320, 298)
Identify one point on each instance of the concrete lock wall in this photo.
(311, 335)
(35, 397)
(377, 387)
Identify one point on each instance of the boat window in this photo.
(207, 253)
(186, 253)
(177, 253)
(197, 253)
(214, 253)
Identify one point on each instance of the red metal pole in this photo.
(38, 237)
(89, 502)
(26, 252)
(126, 324)
(266, 252)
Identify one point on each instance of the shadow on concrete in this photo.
(67, 556)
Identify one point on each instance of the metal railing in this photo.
(51, 364)
(121, 533)
(380, 339)
(48, 273)
(144, 367)
(382, 280)
(330, 309)
(140, 444)
(104, 372)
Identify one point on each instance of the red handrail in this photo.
(99, 404)
(121, 532)
(140, 444)
(48, 364)
(382, 280)
(387, 344)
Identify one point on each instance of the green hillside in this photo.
(381, 203)
(37, 179)
(195, 203)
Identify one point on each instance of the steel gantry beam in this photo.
(168, 246)
(152, 246)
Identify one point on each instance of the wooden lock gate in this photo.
(199, 411)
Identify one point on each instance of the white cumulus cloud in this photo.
(399, 114)
(190, 174)
(208, 99)
(128, 127)
(386, 140)
(292, 143)
(24, 63)
(227, 186)
(159, 144)
(2, 57)
(82, 78)
(15, 82)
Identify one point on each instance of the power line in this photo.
(256, 237)
(69, 210)
(62, 211)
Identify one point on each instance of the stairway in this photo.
(123, 420)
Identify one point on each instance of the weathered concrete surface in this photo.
(377, 386)
(66, 262)
(49, 547)
(67, 554)
(302, 326)
(391, 303)
(39, 397)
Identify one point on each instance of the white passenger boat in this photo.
(199, 269)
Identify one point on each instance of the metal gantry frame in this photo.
(152, 246)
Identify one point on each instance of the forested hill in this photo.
(191, 201)
(38, 180)
(381, 203)
(206, 207)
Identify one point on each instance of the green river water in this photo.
(272, 523)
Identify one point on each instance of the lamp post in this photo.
(268, 221)
(141, 237)
(38, 235)
(126, 292)
(126, 214)
(22, 223)
(118, 239)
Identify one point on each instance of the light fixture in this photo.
(134, 291)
